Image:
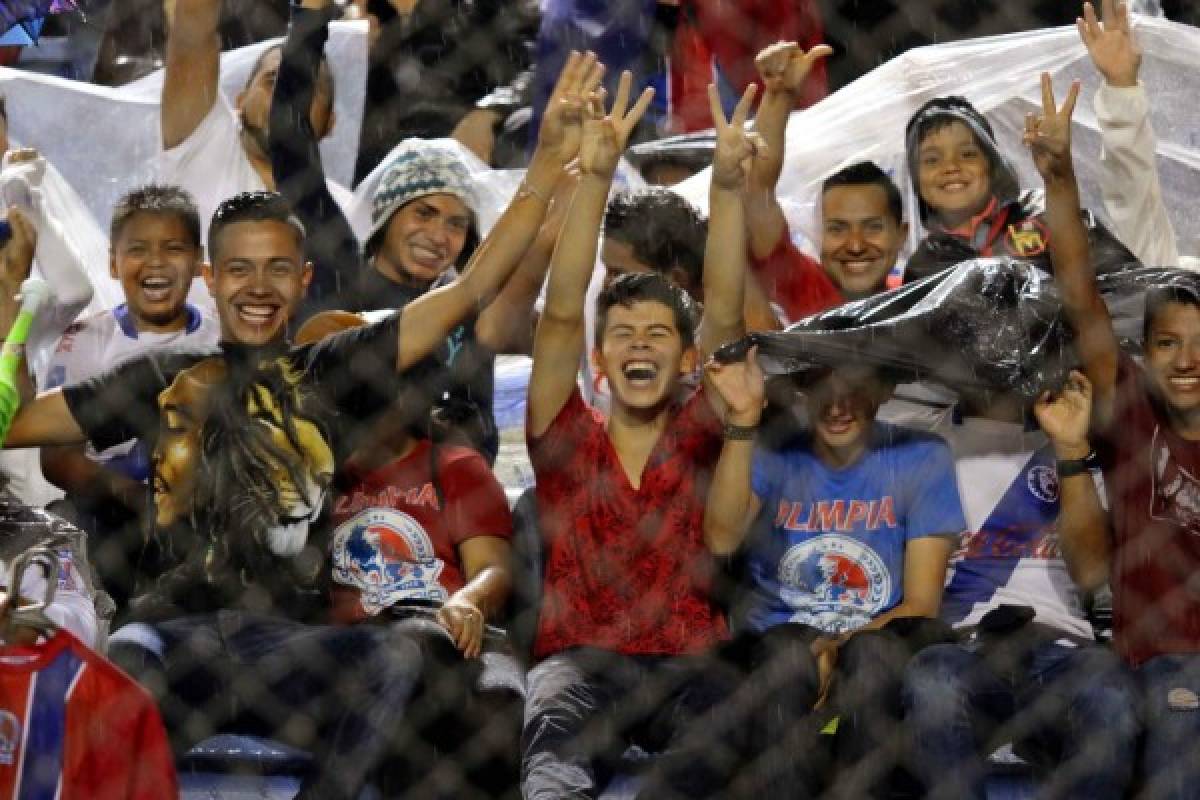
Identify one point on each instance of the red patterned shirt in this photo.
(627, 569)
(796, 283)
(1154, 495)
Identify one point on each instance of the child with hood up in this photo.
(970, 202)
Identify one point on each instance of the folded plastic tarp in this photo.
(1000, 74)
(990, 324)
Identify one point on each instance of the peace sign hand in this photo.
(736, 147)
(1111, 44)
(562, 124)
(784, 65)
(1048, 135)
(605, 135)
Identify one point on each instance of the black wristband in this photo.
(1077, 466)
(740, 433)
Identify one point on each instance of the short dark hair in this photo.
(1182, 291)
(252, 207)
(663, 230)
(156, 199)
(868, 173)
(324, 72)
(647, 287)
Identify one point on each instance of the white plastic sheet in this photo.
(1000, 75)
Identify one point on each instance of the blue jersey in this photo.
(828, 549)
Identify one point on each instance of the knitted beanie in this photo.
(419, 167)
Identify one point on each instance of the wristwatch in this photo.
(741, 433)
(1078, 466)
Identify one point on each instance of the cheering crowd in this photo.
(787, 586)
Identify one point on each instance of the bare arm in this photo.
(193, 68)
(1049, 138)
(732, 504)
(69, 468)
(1083, 524)
(506, 325)
(487, 568)
(559, 340)
(43, 421)
(503, 326)
(783, 67)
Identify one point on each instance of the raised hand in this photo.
(1065, 416)
(740, 386)
(16, 257)
(605, 135)
(1111, 44)
(784, 65)
(736, 147)
(1048, 135)
(562, 123)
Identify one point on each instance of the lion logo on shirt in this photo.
(834, 582)
(1175, 493)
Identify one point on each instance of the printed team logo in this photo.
(1027, 240)
(10, 738)
(1176, 492)
(388, 557)
(834, 582)
(1042, 481)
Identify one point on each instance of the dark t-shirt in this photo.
(627, 569)
(225, 427)
(456, 379)
(1152, 477)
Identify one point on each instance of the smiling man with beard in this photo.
(210, 148)
(231, 583)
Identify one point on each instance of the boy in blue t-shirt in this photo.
(846, 529)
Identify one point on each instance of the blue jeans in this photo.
(336, 691)
(1170, 686)
(1071, 711)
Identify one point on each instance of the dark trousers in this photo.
(335, 691)
(1170, 695)
(769, 717)
(459, 738)
(1070, 710)
(584, 706)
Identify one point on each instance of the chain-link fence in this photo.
(349, 554)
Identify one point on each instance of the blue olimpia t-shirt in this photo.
(828, 548)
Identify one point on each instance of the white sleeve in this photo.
(57, 261)
(1129, 177)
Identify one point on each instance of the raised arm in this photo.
(503, 327)
(784, 68)
(428, 319)
(732, 504)
(193, 68)
(558, 344)
(296, 159)
(1129, 180)
(1048, 136)
(1083, 524)
(725, 250)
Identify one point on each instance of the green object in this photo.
(10, 362)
